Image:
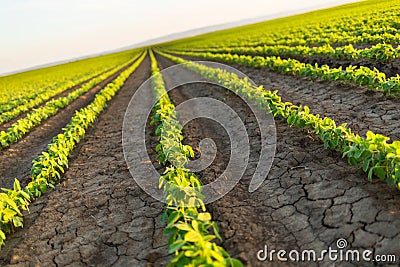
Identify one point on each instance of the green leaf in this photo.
(352, 161)
(390, 181)
(183, 227)
(216, 231)
(204, 216)
(370, 173)
(17, 186)
(195, 225)
(173, 217)
(8, 214)
(365, 166)
(176, 245)
(17, 221)
(192, 236)
(379, 172)
(2, 237)
(216, 255)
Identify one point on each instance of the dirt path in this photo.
(361, 108)
(311, 198)
(98, 216)
(16, 160)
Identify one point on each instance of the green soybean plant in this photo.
(192, 234)
(373, 154)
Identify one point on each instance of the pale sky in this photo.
(35, 32)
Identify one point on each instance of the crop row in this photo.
(35, 117)
(21, 88)
(371, 22)
(48, 167)
(44, 96)
(12, 108)
(16, 107)
(303, 39)
(361, 75)
(189, 229)
(373, 154)
(379, 52)
(337, 38)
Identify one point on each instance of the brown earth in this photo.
(98, 216)
(310, 199)
(359, 107)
